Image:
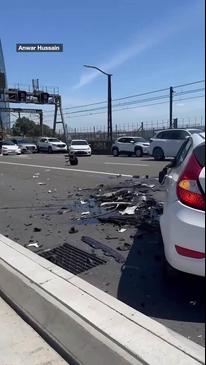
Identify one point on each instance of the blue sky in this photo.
(146, 45)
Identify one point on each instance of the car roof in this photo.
(180, 129)
(130, 137)
(198, 138)
(83, 140)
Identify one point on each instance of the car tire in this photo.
(115, 152)
(50, 149)
(158, 154)
(138, 152)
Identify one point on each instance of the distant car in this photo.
(25, 145)
(183, 220)
(7, 147)
(168, 142)
(50, 145)
(80, 147)
(137, 146)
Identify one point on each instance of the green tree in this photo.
(28, 128)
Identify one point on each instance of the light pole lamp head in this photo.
(98, 69)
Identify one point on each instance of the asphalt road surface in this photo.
(42, 198)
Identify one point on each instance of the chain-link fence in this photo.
(143, 129)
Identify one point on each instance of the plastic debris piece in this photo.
(122, 230)
(73, 230)
(108, 251)
(129, 210)
(34, 244)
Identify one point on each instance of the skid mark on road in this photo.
(64, 169)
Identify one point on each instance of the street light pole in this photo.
(109, 102)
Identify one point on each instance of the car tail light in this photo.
(188, 190)
(189, 253)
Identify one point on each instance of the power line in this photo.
(166, 96)
(131, 96)
(136, 107)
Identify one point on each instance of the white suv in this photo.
(168, 142)
(131, 146)
(51, 144)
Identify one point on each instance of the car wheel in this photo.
(115, 152)
(138, 152)
(50, 149)
(158, 154)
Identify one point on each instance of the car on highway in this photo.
(137, 146)
(167, 143)
(80, 147)
(25, 145)
(183, 220)
(50, 145)
(7, 147)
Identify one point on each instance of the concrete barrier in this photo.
(86, 325)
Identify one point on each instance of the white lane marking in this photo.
(125, 164)
(64, 169)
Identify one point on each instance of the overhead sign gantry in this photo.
(36, 96)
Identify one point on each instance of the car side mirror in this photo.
(132, 142)
(162, 175)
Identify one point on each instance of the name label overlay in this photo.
(39, 47)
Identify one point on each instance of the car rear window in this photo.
(199, 152)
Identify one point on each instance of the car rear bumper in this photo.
(184, 227)
(59, 149)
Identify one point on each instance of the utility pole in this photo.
(41, 123)
(171, 106)
(109, 116)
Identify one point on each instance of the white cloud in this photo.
(152, 37)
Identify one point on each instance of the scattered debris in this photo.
(117, 204)
(111, 237)
(36, 229)
(85, 213)
(124, 247)
(122, 230)
(34, 244)
(83, 202)
(108, 251)
(73, 230)
(129, 210)
(41, 183)
(49, 191)
(149, 185)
